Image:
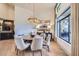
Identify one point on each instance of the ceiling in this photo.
(38, 7)
(41, 10)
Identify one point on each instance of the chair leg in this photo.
(33, 53)
(41, 52)
(48, 48)
(23, 53)
(16, 50)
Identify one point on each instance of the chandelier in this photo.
(33, 19)
(33, 15)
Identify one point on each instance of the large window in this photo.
(64, 28)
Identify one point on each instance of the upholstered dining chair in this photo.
(47, 42)
(20, 44)
(37, 44)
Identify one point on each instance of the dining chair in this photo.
(44, 36)
(37, 44)
(20, 44)
(47, 42)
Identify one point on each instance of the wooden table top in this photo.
(28, 37)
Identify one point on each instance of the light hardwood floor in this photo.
(7, 48)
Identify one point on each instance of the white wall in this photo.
(21, 25)
(6, 12)
(44, 15)
(3, 11)
(11, 13)
(63, 44)
(21, 15)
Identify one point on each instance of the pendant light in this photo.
(33, 10)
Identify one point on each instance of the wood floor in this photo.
(7, 48)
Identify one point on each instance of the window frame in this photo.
(59, 22)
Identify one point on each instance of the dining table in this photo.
(28, 38)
